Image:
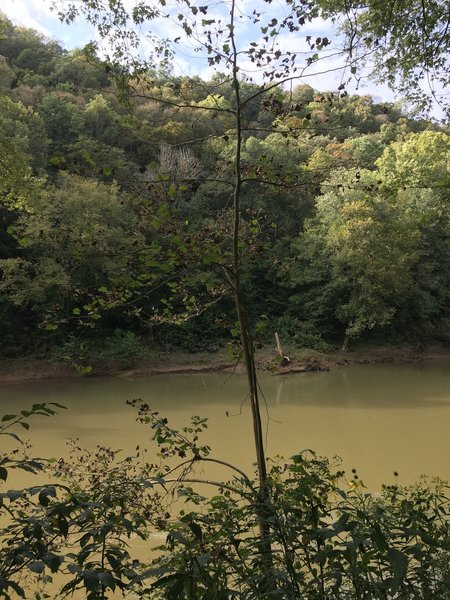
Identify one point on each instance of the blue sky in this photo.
(37, 14)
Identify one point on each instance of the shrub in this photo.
(329, 539)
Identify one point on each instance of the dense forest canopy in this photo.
(113, 215)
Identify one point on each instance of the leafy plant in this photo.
(123, 345)
(28, 532)
(330, 538)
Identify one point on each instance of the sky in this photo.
(37, 14)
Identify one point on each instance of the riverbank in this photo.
(300, 361)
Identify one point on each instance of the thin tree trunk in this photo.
(263, 501)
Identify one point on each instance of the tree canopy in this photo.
(166, 163)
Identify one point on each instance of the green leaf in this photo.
(8, 417)
(379, 539)
(167, 579)
(46, 493)
(177, 535)
(85, 539)
(399, 564)
(196, 530)
(13, 435)
(36, 567)
(73, 568)
(107, 580)
(63, 526)
(90, 579)
(174, 591)
(113, 561)
(14, 494)
(3, 474)
(58, 405)
(16, 587)
(53, 561)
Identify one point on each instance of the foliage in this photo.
(409, 49)
(363, 224)
(93, 220)
(123, 346)
(419, 161)
(332, 539)
(28, 535)
(161, 250)
(63, 121)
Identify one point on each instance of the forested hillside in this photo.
(116, 216)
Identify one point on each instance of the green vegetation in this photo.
(331, 539)
(321, 215)
(117, 216)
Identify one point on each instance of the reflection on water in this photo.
(378, 418)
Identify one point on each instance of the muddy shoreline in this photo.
(301, 361)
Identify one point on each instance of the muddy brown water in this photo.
(378, 418)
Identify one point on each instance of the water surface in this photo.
(378, 418)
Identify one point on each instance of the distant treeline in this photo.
(115, 217)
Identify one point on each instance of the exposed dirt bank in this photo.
(301, 361)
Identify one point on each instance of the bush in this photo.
(328, 538)
(123, 345)
(301, 334)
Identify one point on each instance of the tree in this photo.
(217, 37)
(74, 70)
(417, 162)
(63, 120)
(366, 150)
(98, 231)
(105, 124)
(27, 51)
(405, 44)
(23, 128)
(91, 158)
(6, 75)
(19, 186)
(416, 173)
(369, 245)
(369, 257)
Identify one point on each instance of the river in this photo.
(378, 418)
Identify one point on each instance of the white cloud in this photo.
(36, 14)
(27, 13)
